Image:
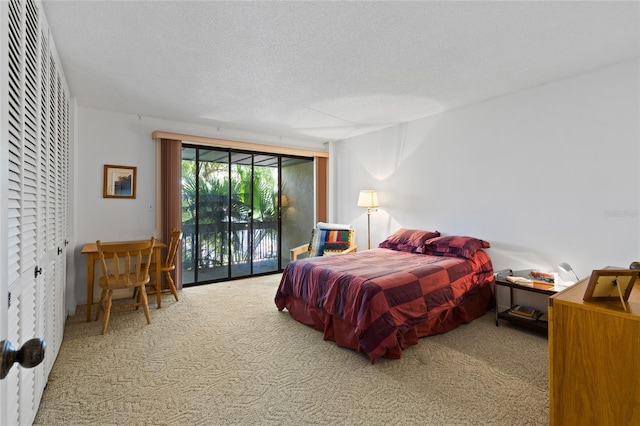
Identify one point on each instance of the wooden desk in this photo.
(594, 370)
(91, 250)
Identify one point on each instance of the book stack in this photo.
(525, 312)
(537, 282)
(545, 277)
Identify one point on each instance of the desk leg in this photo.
(90, 263)
(158, 277)
(495, 298)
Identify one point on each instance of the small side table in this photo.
(547, 289)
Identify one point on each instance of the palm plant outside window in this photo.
(231, 218)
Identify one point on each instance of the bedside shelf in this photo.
(535, 324)
(547, 289)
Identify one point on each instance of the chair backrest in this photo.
(172, 248)
(330, 238)
(126, 262)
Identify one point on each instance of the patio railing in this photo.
(217, 247)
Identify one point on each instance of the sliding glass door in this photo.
(233, 204)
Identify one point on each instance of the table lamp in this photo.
(567, 268)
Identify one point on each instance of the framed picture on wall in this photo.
(119, 181)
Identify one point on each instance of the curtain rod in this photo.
(249, 146)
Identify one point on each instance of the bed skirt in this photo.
(343, 334)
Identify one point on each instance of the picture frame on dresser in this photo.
(611, 284)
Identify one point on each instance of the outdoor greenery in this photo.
(252, 203)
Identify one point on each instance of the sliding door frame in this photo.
(166, 221)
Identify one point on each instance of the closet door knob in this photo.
(28, 356)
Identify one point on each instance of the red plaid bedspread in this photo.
(383, 293)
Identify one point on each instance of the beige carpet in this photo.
(224, 355)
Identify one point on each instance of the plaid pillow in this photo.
(456, 245)
(328, 240)
(409, 240)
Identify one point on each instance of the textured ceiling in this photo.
(326, 70)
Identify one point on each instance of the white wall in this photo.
(546, 175)
(105, 137)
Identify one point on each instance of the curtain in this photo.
(170, 176)
(321, 189)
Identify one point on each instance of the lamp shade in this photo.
(368, 198)
(567, 268)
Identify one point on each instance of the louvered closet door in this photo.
(36, 127)
(53, 205)
(53, 200)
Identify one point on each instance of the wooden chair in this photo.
(124, 265)
(328, 239)
(168, 265)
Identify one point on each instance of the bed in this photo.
(383, 300)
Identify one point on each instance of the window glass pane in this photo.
(265, 214)
(213, 215)
(298, 210)
(189, 183)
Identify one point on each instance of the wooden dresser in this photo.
(594, 359)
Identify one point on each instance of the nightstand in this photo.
(535, 287)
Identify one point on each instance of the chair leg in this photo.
(172, 287)
(107, 312)
(145, 305)
(100, 305)
(138, 292)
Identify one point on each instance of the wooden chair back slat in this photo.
(172, 248)
(168, 265)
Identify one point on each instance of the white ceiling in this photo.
(326, 70)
